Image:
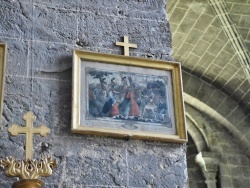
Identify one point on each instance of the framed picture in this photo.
(3, 49)
(127, 97)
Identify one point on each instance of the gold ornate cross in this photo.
(29, 130)
(126, 45)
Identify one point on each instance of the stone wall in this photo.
(41, 36)
(223, 149)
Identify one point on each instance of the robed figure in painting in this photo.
(134, 108)
(129, 106)
(124, 106)
(110, 108)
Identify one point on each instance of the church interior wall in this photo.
(41, 36)
(233, 161)
(216, 85)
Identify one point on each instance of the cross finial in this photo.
(29, 130)
(126, 45)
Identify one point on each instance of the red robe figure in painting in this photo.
(115, 110)
(124, 106)
(134, 108)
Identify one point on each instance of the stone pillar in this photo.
(210, 174)
(209, 164)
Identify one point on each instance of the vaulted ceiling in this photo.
(211, 39)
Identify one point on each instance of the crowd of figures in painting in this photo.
(127, 96)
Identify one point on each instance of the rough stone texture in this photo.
(41, 36)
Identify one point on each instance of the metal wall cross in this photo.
(29, 130)
(126, 45)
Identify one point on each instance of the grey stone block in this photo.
(185, 79)
(152, 15)
(52, 104)
(106, 166)
(216, 99)
(146, 170)
(6, 184)
(97, 31)
(241, 123)
(151, 5)
(105, 7)
(195, 184)
(17, 16)
(205, 92)
(227, 107)
(240, 182)
(17, 99)
(54, 24)
(225, 181)
(9, 144)
(237, 116)
(196, 172)
(193, 87)
(246, 171)
(103, 32)
(17, 56)
(51, 185)
(234, 160)
(62, 3)
(51, 61)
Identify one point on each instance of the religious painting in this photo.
(127, 97)
(2, 74)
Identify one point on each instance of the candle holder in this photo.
(28, 170)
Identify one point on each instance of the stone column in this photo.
(209, 164)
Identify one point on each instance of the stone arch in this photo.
(213, 102)
(224, 163)
(197, 134)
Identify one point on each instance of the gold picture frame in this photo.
(3, 52)
(127, 97)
